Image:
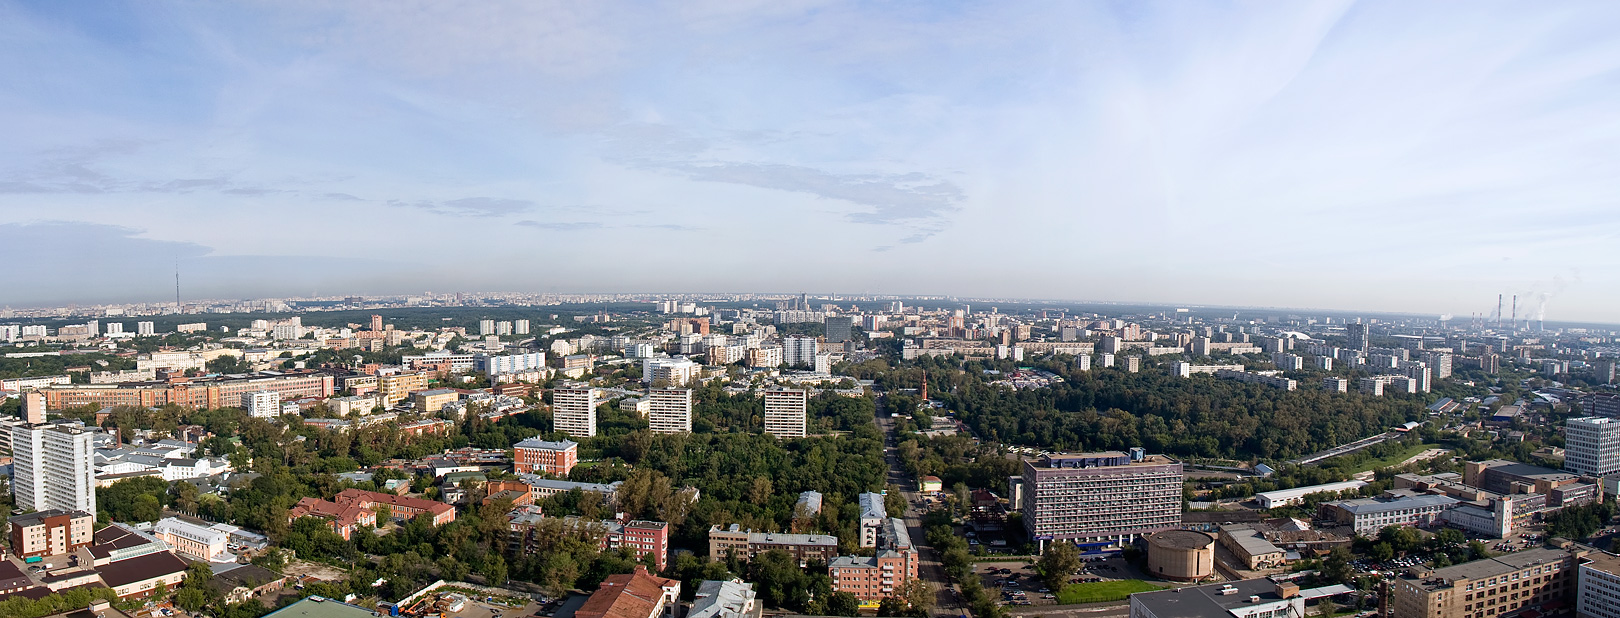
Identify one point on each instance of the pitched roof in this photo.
(630, 595)
(142, 568)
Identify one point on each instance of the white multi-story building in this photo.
(824, 362)
(573, 410)
(1325, 363)
(1418, 371)
(513, 363)
(1288, 362)
(503, 328)
(639, 350)
(785, 412)
(799, 350)
(1598, 594)
(669, 410)
(725, 355)
(197, 542)
(486, 327)
(262, 404)
(520, 327)
(1440, 363)
(673, 371)
(54, 467)
(115, 329)
(145, 329)
(1592, 445)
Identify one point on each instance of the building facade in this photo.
(1100, 497)
(54, 467)
(785, 411)
(573, 410)
(536, 456)
(1592, 445)
(746, 544)
(1500, 586)
(51, 532)
(669, 410)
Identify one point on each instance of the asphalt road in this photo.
(930, 569)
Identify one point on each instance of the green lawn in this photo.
(1394, 459)
(1102, 592)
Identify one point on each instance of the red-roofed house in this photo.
(633, 595)
(345, 518)
(403, 507)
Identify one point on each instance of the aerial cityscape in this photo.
(749, 310)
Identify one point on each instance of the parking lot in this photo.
(1019, 584)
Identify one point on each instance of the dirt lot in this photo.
(324, 572)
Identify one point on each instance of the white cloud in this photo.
(1382, 156)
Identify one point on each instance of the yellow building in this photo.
(429, 402)
(395, 388)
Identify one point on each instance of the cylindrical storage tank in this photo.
(1181, 555)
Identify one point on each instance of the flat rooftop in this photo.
(320, 607)
(1489, 567)
(1207, 600)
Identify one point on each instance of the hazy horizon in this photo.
(1383, 158)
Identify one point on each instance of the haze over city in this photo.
(1384, 157)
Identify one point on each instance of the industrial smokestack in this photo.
(1515, 312)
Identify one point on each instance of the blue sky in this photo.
(1381, 156)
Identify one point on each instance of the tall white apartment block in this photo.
(669, 410)
(1592, 445)
(1440, 362)
(798, 350)
(520, 327)
(674, 371)
(145, 329)
(1288, 362)
(1083, 362)
(486, 327)
(573, 410)
(785, 412)
(115, 328)
(262, 404)
(1325, 363)
(503, 328)
(1336, 385)
(824, 362)
(53, 467)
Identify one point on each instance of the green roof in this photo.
(319, 607)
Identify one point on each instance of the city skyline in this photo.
(1413, 159)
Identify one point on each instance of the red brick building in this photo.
(536, 456)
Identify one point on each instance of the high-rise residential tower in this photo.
(785, 413)
(573, 410)
(53, 467)
(669, 410)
